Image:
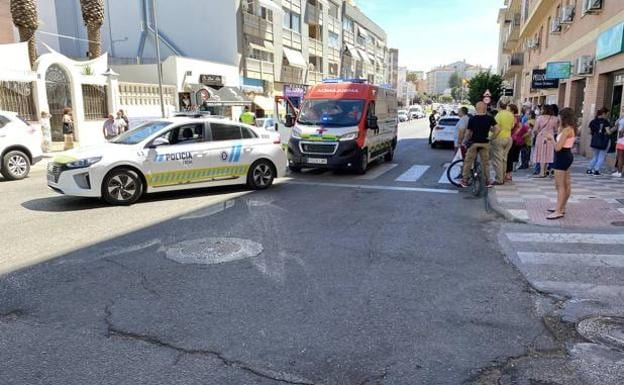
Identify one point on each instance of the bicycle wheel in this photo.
(478, 180)
(454, 172)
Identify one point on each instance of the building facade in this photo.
(577, 41)
(393, 67)
(439, 77)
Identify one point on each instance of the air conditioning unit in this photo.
(585, 65)
(591, 6)
(567, 14)
(555, 26)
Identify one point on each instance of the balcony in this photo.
(256, 26)
(291, 39)
(512, 35)
(258, 69)
(513, 65)
(314, 15)
(333, 54)
(315, 47)
(534, 15)
(334, 24)
(292, 75)
(315, 77)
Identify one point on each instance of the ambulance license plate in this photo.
(316, 161)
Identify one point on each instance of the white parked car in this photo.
(445, 131)
(170, 154)
(403, 116)
(20, 146)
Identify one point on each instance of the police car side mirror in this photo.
(159, 142)
(290, 121)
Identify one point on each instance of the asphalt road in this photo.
(326, 278)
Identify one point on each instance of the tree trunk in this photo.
(28, 34)
(95, 45)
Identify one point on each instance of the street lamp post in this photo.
(158, 61)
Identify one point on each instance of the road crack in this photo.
(114, 332)
(143, 280)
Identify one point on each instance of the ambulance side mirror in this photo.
(371, 122)
(159, 142)
(290, 121)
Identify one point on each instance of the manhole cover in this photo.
(618, 223)
(603, 330)
(210, 251)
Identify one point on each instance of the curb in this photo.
(501, 211)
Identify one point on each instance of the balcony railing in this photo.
(258, 69)
(257, 26)
(315, 77)
(314, 15)
(291, 39)
(315, 47)
(516, 59)
(292, 75)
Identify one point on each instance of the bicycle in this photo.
(476, 179)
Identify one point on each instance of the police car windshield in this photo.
(142, 132)
(331, 112)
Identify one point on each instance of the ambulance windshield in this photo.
(331, 112)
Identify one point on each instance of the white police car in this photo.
(170, 154)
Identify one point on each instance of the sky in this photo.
(429, 33)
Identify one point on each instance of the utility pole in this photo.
(158, 61)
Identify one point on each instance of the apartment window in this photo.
(292, 21)
(333, 10)
(253, 8)
(334, 40)
(333, 69)
(347, 24)
(261, 55)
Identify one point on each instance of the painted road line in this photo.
(578, 289)
(378, 171)
(569, 259)
(373, 187)
(598, 239)
(413, 174)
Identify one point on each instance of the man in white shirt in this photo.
(460, 129)
(120, 124)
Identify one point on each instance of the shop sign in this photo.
(211, 80)
(558, 70)
(294, 91)
(610, 42)
(539, 81)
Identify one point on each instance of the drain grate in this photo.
(603, 330)
(211, 251)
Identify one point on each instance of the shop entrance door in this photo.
(616, 104)
(59, 97)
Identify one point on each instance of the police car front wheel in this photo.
(122, 187)
(261, 175)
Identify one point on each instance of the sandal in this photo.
(554, 216)
(553, 211)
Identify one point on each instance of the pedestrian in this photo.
(248, 117)
(460, 130)
(563, 160)
(68, 129)
(517, 142)
(433, 121)
(46, 132)
(480, 126)
(619, 147)
(600, 129)
(501, 142)
(529, 140)
(125, 118)
(109, 130)
(544, 153)
(120, 126)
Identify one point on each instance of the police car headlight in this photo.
(351, 136)
(296, 133)
(82, 163)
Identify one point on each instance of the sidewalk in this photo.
(596, 201)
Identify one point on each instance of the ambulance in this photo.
(343, 124)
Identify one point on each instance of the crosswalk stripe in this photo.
(567, 259)
(378, 171)
(373, 187)
(599, 239)
(413, 174)
(584, 289)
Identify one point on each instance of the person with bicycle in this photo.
(479, 128)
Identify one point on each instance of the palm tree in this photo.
(25, 18)
(93, 16)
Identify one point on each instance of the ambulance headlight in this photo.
(296, 133)
(351, 136)
(82, 163)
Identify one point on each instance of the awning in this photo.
(364, 55)
(225, 96)
(267, 47)
(362, 32)
(352, 51)
(269, 4)
(295, 58)
(264, 103)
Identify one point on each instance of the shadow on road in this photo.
(67, 203)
